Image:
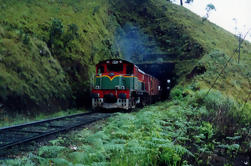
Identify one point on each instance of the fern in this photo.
(78, 157)
(156, 135)
(60, 162)
(51, 151)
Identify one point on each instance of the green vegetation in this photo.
(181, 132)
(204, 53)
(7, 119)
(48, 50)
(47, 54)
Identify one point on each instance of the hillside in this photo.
(182, 37)
(49, 48)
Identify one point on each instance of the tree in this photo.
(240, 37)
(187, 1)
(56, 31)
(181, 2)
(209, 8)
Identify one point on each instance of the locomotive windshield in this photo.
(114, 67)
(101, 69)
(129, 69)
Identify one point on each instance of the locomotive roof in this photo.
(125, 61)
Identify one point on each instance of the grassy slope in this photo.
(220, 45)
(211, 128)
(189, 42)
(36, 76)
(47, 75)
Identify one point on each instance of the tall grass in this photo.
(169, 133)
(7, 119)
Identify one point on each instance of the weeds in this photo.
(169, 133)
(8, 119)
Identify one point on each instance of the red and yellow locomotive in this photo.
(121, 84)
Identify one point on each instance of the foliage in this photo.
(188, 1)
(209, 8)
(77, 34)
(46, 62)
(169, 133)
(144, 138)
(8, 119)
(177, 93)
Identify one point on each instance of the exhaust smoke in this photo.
(134, 45)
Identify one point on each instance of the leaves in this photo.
(169, 133)
(51, 151)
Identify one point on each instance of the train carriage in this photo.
(121, 84)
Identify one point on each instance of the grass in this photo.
(45, 67)
(38, 74)
(179, 132)
(184, 39)
(190, 129)
(15, 119)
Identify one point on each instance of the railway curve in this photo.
(18, 134)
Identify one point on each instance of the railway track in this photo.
(18, 134)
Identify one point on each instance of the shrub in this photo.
(176, 93)
(215, 100)
(226, 114)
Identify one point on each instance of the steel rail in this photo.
(42, 121)
(67, 123)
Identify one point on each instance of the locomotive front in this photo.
(112, 84)
(120, 84)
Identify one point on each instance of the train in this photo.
(120, 84)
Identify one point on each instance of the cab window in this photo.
(142, 86)
(114, 67)
(101, 69)
(129, 69)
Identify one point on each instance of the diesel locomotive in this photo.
(121, 84)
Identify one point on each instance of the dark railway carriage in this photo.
(121, 84)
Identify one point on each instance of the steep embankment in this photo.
(48, 51)
(199, 49)
(209, 76)
(49, 48)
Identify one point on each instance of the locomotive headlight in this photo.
(95, 95)
(97, 87)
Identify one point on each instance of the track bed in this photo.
(18, 134)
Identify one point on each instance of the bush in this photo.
(176, 93)
(224, 112)
(216, 101)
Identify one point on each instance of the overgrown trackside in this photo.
(180, 132)
(20, 134)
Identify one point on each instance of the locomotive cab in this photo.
(118, 84)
